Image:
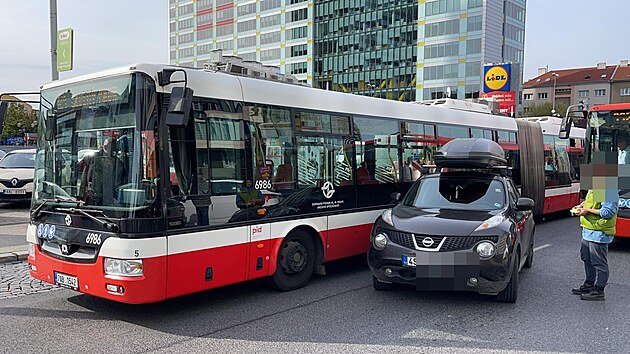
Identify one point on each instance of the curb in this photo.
(13, 257)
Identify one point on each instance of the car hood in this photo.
(445, 222)
(19, 173)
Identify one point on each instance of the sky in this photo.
(559, 34)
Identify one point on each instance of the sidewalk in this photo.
(13, 245)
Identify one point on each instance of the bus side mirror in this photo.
(179, 107)
(49, 132)
(565, 127)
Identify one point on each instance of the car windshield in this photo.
(18, 160)
(457, 192)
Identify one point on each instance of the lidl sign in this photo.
(496, 78)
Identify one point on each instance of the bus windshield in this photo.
(95, 156)
(611, 133)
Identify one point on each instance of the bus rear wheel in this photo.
(296, 262)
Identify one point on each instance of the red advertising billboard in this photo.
(506, 100)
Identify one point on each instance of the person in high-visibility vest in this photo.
(598, 218)
(248, 196)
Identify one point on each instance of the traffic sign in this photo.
(64, 49)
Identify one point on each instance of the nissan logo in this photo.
(427, 242)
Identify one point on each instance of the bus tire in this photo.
(296, 262)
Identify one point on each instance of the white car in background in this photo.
(17, 169)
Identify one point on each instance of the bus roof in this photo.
(610, 107)
(206, 83)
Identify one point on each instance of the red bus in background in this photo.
(607, 125)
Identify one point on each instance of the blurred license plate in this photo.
(67, 281)
(15, 191)
(409, 261)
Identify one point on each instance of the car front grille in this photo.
(451, 243)
(20, 183)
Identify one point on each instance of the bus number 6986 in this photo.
(93, 238)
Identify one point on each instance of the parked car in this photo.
(465, 228)
(16, 175)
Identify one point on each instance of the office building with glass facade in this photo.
(407, 50)
(274, 32)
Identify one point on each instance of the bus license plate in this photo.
(409, 261)
(15, 191)
(67, 281)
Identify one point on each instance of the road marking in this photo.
(542, 247)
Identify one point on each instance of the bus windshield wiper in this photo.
(104, 223)
(35, 214)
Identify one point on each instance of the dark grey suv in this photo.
(463, 229)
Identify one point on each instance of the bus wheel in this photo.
(296, 261)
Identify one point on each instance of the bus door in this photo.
(207, 243)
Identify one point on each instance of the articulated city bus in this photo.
(139, 168)
(608, 130)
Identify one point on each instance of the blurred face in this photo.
(248, 183)
(622, 145)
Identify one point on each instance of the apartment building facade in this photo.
(600, 84)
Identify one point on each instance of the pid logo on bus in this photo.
(496, 78)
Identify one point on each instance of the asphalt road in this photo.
(339, 313)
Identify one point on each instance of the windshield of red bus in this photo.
(611, 133)
(95, 157)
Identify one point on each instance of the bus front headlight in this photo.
(124, 267)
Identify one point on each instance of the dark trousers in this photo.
(595, 258)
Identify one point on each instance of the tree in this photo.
(18, 120)
(544, 110)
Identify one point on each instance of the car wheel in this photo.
(380, 286)
(510, 293)
(296, 262)
(530, 255)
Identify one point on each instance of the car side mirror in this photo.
(395, 197)
(525, 204)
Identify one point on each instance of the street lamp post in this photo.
(553, 97)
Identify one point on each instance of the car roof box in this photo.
(470, 153)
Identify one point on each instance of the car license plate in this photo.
(67, 281)
(409, 261)
(15, 191)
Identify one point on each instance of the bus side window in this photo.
(377, 160)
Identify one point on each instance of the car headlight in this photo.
(31, 250)
(490, 223)
(486, 249)
(124, 267)
(379, 242)
(387, 217)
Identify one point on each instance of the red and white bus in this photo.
(138, 173)
(607, 126)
